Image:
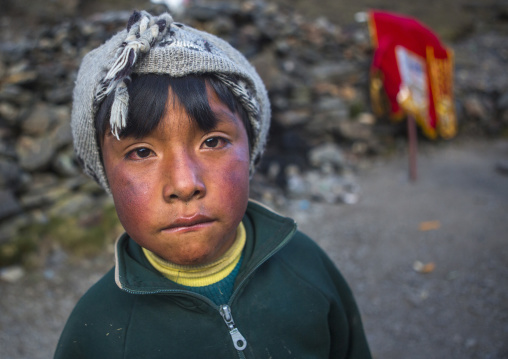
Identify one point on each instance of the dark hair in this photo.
(148, 95)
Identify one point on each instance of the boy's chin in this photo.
(192, 257)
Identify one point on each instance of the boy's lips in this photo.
(192, 223)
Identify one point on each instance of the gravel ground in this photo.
(453, 221)
(457, 310)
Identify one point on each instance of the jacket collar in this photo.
(267, 232)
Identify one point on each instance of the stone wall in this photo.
(317, 76)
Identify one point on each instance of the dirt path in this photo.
(458, 310)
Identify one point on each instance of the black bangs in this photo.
(148, 96)
(147, 103)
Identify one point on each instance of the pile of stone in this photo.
(316, 73)
(481, 84)
(39, 176)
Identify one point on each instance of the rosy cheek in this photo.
(130, 194)
(235, 180)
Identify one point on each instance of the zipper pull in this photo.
(238, 340)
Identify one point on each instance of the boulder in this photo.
(10, 174)
(35, 153)
(9, 205)
(39, 121)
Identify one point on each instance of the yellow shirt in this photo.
(200, 276)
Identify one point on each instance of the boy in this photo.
(171, 122)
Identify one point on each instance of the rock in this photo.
(37, 199)
(291, 142)
(65, 165)
(481, 63)
(39, 121)
(296, 185)
(293, 118)
(502, 102)
(322, 185)
(331, 188)
(35, 153)
(7, 148)
(72, 204)
(323, 126)
(366, 118)
(9, 205)
(350, 197)
(354, 130)
(208, 12)
(60, 94)
(474, 108)
(328, 154)
(274, 24)
(20, 77)
(12, 274)
(109, 18)
(9, 113)
(20, 74)
(282, 47)
(34, 183)
(266, 64)
(62, 113)
(279, 103)
(15, 95)
(300, 97)
(3, 67)
(9, 229)
(335, 72)
(10, 174)
(61, 136)
(332, 104)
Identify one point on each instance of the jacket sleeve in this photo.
(347, 337)
(358, 347)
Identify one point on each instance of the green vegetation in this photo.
(355, 109)
(80, 235)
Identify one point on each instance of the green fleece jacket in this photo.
(289, 301)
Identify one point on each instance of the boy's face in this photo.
(181, 192)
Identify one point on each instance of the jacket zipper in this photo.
(238, 340)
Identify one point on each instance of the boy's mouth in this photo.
(192, 223)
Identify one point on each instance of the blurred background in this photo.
(427, 260)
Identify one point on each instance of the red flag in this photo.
(411, 73)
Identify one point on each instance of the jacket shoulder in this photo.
(102, 312)
(308, 263)
(303, 249)
(102, 296)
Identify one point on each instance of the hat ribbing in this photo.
(157, 45)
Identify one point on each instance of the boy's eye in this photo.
(139, 153)
(215, 142)
(143, 152)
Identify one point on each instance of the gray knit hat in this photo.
(157, 45)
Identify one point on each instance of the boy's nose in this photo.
(183, 179)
